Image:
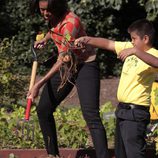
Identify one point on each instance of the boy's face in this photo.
(137, 41)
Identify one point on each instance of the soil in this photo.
(108, 91)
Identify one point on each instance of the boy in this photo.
(134, 89)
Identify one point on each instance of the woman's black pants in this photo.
(87, 82)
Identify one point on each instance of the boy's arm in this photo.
(97, 42)
(146, 57)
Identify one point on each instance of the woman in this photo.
(78, 69)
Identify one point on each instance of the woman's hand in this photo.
(40, 44)
(33, 93)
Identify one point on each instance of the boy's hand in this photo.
(82, 41)
(127, 52)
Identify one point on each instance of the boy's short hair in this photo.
(143, 27)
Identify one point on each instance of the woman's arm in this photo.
(33, 93)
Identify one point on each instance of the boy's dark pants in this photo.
(131, 124)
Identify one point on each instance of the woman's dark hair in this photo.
(34, 6)
(57, 7)
(143, 27)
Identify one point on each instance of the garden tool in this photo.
(33, 76)
(32, 81)
(25, 127)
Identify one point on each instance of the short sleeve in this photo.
(119, 46)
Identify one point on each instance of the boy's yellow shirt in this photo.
(136, 77)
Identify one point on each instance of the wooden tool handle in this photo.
(32, 81)
(33, 74)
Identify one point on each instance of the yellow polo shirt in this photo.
(136, 77)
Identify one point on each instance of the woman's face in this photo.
(43, 5)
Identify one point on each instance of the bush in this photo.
(20, 29)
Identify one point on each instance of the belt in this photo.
(132, 106)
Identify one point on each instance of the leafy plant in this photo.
(71, 127)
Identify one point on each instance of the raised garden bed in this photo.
(66, 153)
